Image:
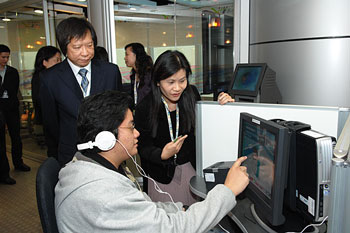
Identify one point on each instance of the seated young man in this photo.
(94, 193)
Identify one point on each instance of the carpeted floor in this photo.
(18, 208)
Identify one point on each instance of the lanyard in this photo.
(170, 124)
(136, 85)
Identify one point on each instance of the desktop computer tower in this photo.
(314, 153)
(293, 127)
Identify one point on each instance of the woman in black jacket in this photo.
(141, 64)
(166, 122)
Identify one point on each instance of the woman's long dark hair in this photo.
(44, 53)
(166, 65)
(144, 62)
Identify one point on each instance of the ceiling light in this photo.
(42, 37)
(189, 35)
(38, 11)
(133, 8)
(6, 19)
(81, 0)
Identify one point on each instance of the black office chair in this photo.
(46, 180)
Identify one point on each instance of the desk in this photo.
(241, 211)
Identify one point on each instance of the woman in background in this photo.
(46, 57)
(166, 122)
(141, 64)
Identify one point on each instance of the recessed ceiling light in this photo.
(38, 11)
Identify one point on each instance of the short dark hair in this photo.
(4, 49)
(101, 54)
(44, 53)
(102, 112)
(73, 27)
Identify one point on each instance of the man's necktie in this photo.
(84, 81)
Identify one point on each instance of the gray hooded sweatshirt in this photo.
(92, 198)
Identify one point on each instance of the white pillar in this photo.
(101, 16)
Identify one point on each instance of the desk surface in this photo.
(241, 210)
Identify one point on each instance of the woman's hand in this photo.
(173, 147)
(224, 98)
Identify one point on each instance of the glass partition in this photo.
(184, 26)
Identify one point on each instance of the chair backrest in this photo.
(46, 180)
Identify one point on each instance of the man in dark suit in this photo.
(9, 114)
(66, 84)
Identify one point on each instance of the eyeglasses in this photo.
(128, 127)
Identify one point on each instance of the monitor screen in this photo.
(265, 143)
(247, 79)
(259, 145)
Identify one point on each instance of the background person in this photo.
(101, 54)
(166, 114)
(65, 85)
(141, 72)
(94, 193)
(46, 57)
(9, 106)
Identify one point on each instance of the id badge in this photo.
(5, 95)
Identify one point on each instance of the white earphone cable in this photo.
(143, 173)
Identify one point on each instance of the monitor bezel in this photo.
(270, 208)
(247, 92)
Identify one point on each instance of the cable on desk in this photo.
(268, 229)
(222, 228)
(315, 225)
(260, 222)
(236, 220)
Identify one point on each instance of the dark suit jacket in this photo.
(11, 85)
(61, 97)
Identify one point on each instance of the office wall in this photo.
(308, 44)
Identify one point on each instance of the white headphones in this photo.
(104, 141)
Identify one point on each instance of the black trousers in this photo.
(12, 120)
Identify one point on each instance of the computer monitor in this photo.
(254, 82)
(266, 144)
(247, 78)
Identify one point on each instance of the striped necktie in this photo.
(84, 81)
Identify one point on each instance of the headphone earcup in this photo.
(105, 140)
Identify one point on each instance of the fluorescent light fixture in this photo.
(6, 19)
